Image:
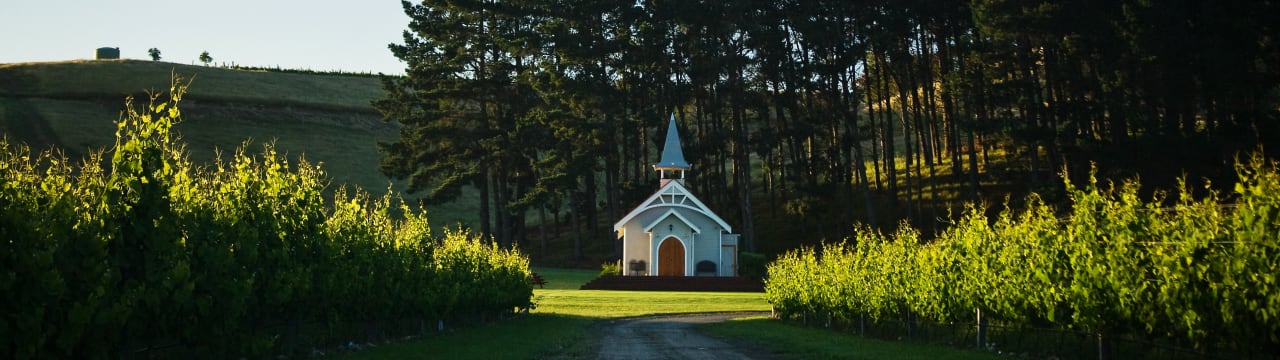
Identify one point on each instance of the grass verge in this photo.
(795, 342)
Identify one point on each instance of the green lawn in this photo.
(561, 327)
(565, 279)
(606, 304)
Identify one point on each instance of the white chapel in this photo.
(672, 233)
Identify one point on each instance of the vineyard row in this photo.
(135, 248)
(1172, 268)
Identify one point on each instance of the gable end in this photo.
(670, 213)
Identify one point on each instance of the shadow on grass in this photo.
(563, 324)
(533, 336)
(795, 342)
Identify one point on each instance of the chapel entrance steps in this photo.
(674, 283)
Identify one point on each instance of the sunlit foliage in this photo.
(1201, 270)
(243, 257)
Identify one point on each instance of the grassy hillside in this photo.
(323, 118)
(114, 78)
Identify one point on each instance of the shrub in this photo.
(752, 265)
(610, 268)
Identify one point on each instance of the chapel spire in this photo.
(672, 155)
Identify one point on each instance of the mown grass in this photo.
(560, 325)
(795, 342)
(605, 304)
(564, 279)
(563, 327)
(562, 297)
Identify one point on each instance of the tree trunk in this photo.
(593, 216)
(482, 185)
(542, 232)
(611, 192)
(742, 170)
(577, 228)
(502, 233)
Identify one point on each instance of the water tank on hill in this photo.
(108, 53)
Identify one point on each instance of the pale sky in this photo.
(348, 35)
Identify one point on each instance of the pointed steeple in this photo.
(672, 154)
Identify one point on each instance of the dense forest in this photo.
(829, 112)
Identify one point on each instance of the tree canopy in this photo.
(871, 111)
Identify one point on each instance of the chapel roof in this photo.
(672, 154)
(673, 195)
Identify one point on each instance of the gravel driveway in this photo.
(671, 337)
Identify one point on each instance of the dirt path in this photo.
(671, 337)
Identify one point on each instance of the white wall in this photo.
(639, 245)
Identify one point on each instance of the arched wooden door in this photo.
(671, 258)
